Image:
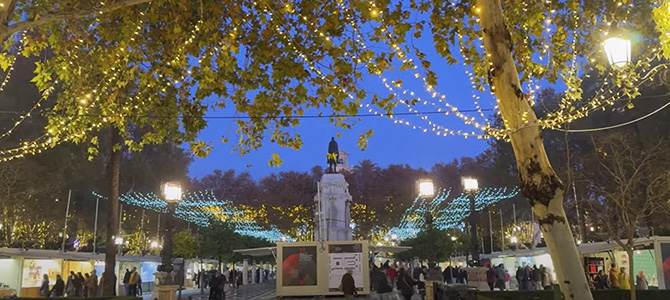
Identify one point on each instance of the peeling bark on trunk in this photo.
(113, 171)
(539, 183)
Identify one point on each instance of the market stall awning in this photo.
(263, 251)
(389, 249)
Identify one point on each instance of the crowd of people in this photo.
(388, 278)
(78, 285)
(234, 277)
(533, 278)
(617, 278)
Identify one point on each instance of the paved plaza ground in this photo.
(264, 291)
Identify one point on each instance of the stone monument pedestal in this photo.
(165, 287)
(333, 205)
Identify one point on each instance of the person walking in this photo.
(59, 287)
(448, 275)
(421, 282)
(537, 278)
(500, 277)
(92, 284)
(86, 279)
(348, 285)
(126, 283)
(491, 275)
(641, 283)
(600, 281)
(44, 288)
(405, 284)
(215, 287)
(69, 286)
(519, 276)
(614, 277)
(58, 290)
(525, 277)
(382, 286)
(79, 285)
(132, 282)
(624, 282)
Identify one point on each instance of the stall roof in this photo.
(80, 256)
(584, 249)
(264, 251)
(390, 249)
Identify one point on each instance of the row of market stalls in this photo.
(651, 255)
(22, 270)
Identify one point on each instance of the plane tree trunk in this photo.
(539, 183)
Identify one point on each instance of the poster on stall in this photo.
(299, 266)
(341, 258)
(34, 270)
(665, 258)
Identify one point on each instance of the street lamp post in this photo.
(166, 286)
(427, 192)
(471, 187)
(172, 193)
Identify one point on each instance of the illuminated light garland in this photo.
(45, 95)
(13, 63)
(202, 206)
(439, 130)
(600, 102)
(447, 216)
(53, 138)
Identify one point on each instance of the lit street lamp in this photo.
(154, 245)
(118, 241)
(471, 188)
(172, 193)
(426, 188)
(427, 192)
(617, 46)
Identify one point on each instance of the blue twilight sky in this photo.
(391, 143)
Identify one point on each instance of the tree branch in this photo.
(6, 31)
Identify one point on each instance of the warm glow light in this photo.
(579, 242)
(172, 192)
(592, 229)
(453, 238)
(514, 240)
(154, 244)
(617, 47)
(426, 188)
(118, 241)
(394, 236)
(470, 185)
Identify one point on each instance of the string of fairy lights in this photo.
(88, 100)
(446, 214)
(605, 96)
(201, 208)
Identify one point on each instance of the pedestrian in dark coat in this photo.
(44, 288)
(59, 287)
(405, 284)
(382, 282)
(215, 290)
(448, 275)
(348, 285)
